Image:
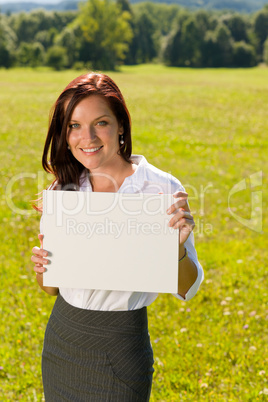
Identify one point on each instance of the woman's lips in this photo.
(91, 151)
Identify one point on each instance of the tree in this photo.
(30, 54)
(261, 30)
(29, 25)
(57, 57)
(190, 43)
(244, 55)
(171, 48)
(265, 52)
(46, 37)
(142, 48)
(124, 5)
(105, 33)
(217, 49)
(237, 25)
(204, 21)
(67, 39)
(183, 47)
(25, 25)
(163, 16)
(7, 43)
(5, 56)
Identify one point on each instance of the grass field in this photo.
(208, 128)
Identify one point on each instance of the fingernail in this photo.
(168, 211)
(45, 254)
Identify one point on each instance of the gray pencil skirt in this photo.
(96, 356)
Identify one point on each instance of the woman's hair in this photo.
(57, 159)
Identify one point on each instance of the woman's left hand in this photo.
(182, 218)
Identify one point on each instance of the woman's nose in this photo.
(89, 132)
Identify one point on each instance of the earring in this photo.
(68, 147)
(122, 139)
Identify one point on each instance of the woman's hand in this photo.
(182, 218)
(39, 257)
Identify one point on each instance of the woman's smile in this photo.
(91, 151)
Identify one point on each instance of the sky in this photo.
(30, 1)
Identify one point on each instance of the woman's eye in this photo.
(74, 125)
(102, 123)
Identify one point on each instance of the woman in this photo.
(96, 345)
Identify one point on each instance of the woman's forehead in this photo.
(90, 102)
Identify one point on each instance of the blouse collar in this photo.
(136, 180)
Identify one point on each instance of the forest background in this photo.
(105, 34)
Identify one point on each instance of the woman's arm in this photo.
(39, 258)
(187, 272)
(184, 221)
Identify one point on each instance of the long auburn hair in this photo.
(57, 159)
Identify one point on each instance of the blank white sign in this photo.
(110, 241)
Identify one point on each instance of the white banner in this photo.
(110, 241)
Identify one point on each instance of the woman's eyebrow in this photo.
(97, 118)
(104, 115)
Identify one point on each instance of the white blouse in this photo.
(145, 179)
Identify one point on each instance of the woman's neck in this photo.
(111, 180)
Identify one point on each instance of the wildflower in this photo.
(245, 326)
(183, 329)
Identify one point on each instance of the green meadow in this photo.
(208, 127)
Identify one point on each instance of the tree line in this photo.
(104, 34)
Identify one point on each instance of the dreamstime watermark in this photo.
(131, 226)
(256, 213)
(115, 229)
(39, 180)
(153, 205)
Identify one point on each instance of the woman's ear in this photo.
(121, 129)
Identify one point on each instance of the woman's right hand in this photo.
(39, 256)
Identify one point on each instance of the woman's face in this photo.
(94, 134)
